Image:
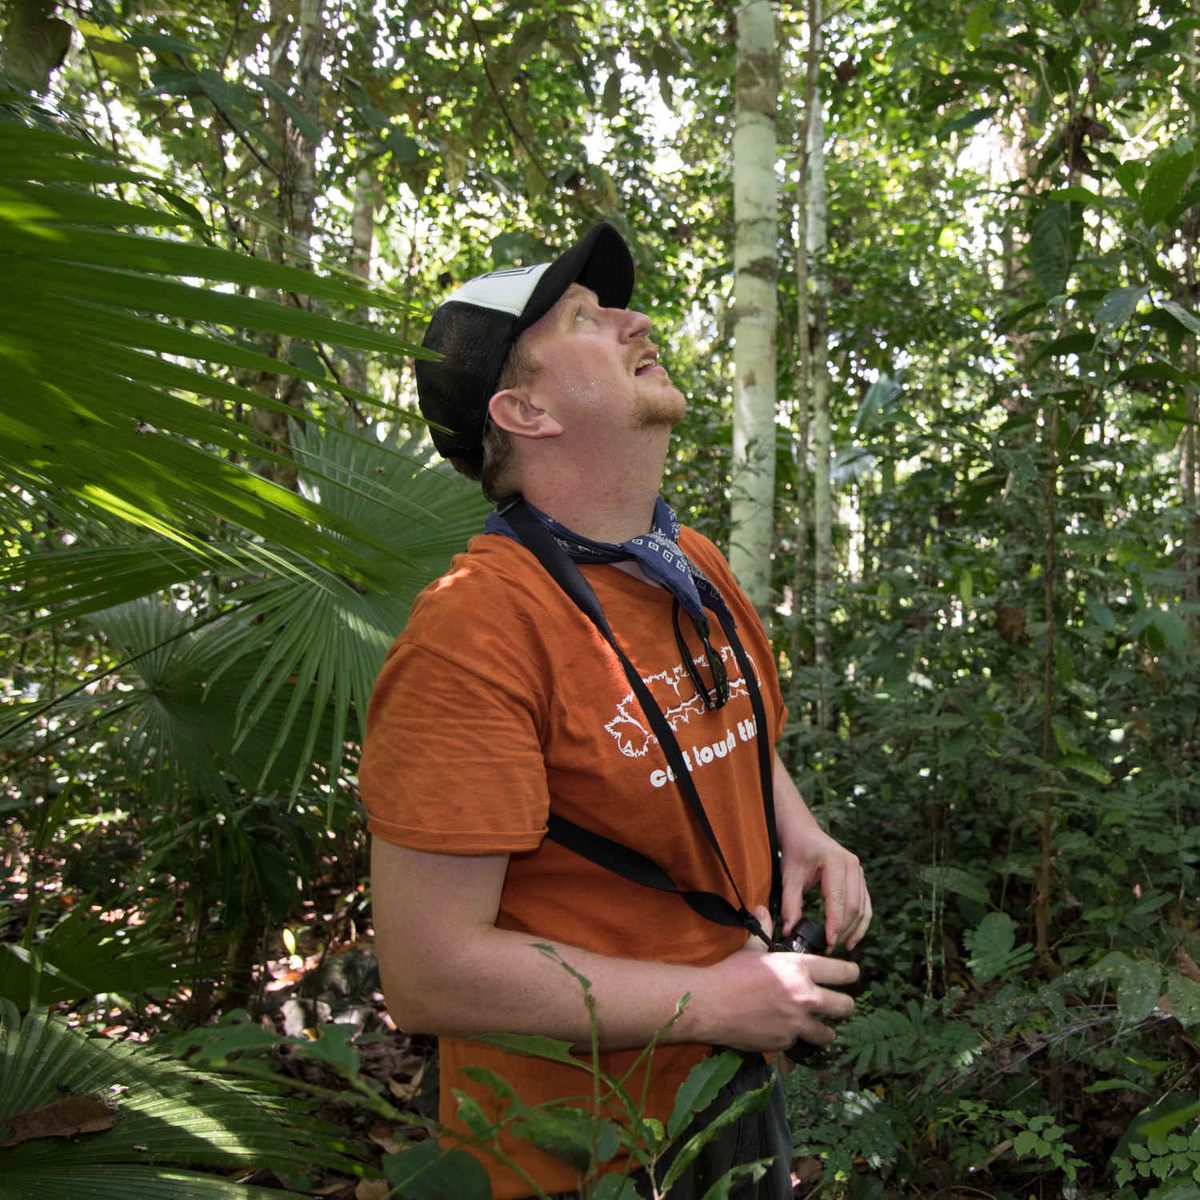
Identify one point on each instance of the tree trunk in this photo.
(818, 240)
(754, 212)
(295, 193)
(1189, 467)
(33, 43)
(362, 241)
(802, 409)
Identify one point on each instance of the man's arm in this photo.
(448, 970)
(810, 856)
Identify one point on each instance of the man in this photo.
(504, 708)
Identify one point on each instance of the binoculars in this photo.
(807, 938)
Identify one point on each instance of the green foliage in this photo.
(168, 1117)
(1013, 325)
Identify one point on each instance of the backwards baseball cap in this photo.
(475, 327)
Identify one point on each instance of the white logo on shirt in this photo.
(629, 728)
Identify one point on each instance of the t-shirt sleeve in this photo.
(452, 762)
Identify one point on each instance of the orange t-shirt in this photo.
(499, 699)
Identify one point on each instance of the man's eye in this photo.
(582, 314)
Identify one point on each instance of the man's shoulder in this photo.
(487, 589)
(703, 551)
(490, 568)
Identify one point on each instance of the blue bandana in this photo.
(656, 552)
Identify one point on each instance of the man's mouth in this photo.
(646, 363)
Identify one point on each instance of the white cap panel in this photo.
(502, 291)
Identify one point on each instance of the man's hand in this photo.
(810, 857)
(762, 1001)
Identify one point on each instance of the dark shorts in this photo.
(760, 1135)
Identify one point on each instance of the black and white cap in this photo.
(474, 329)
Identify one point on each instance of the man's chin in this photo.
(663, 412)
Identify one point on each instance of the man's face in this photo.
(597, 370)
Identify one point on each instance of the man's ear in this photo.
(514, 412)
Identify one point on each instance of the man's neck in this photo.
(605, 497)
(600, 518)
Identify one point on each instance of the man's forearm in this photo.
(499, 982)
(448, 969)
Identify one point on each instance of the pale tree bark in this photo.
(298, 23)
(755, 195)
(802, 406)
(817, 248)
(362, 243)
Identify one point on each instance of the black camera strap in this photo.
(624, 861)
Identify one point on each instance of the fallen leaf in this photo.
(382, 1136)
(62, 1118)
(372, 1189)
(1187, 965)
(999, 1149)
(806, 1170)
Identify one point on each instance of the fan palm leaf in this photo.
(169, 1117)
(117, 424)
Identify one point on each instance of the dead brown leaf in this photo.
(806, 1170)
(382, 1135)
(1187, 965)
(62, 1118)
(372, 1189)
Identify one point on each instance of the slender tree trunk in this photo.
(1044, 879)
(754, 212)
(296, 22)
(1189, 466)
(818, 241)
(362, 242)
(803, 365)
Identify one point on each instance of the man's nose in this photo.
(634, 325)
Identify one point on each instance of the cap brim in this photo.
(600, 260)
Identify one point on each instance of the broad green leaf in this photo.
(1163, 1122)
(535, 1046)
(1070, 343)
(957, 880)
(167, 43)
(1117, 307)
(1183, 316)
(1085, 765)
(699, 1089)
(426, 1172)
(562, 1133)
(1184, 995)
(721, 1190)
(1049, 249)
(1166, 177)
(966, 588)
(614, 1186)
(979, 22)
(332, 1046)
(496, 1083)
(1139, 986)
(743, 1105)
(1113, 1085)
(968, 120)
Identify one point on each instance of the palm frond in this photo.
(168, 1116)
(90, 404)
